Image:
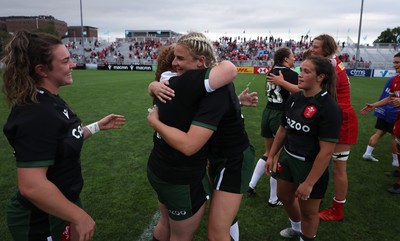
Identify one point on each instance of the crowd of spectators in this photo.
(241, 51)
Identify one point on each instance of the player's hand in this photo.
(275, 79)
(248, 99)
(162, 91)
(83, 230)
(269, 165)
(368, 108)
(152, 117)
(112, 121)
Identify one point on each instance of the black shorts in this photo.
(181, 200)
(232, 174)
(383, 125)
(296, 171)
(32, 224)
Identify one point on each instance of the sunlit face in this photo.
(316, 48)
(308, 78)
(183, 61)
(396, 64)
(61, 72)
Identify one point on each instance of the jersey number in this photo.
(274, 94)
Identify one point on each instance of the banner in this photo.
(384, 73)
(359, 72)
(132, 67)
(261, 70)
(245, 70)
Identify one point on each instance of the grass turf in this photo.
(119, 198)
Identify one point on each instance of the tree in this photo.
(388, 36)
(4, 38)
(49, 29)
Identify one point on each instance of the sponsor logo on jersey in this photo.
(310, 111)
(297, 125)
(77, 132)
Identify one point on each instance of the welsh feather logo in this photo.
(309, 111)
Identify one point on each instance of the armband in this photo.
(94, 128)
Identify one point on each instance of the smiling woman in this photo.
(47, 203)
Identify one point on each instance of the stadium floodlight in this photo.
(359, 34)
(82, 37)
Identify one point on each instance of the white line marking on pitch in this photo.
(147, 234)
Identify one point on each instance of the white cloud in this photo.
(220, 17)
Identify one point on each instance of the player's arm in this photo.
(275, 148)
(279, 80)
(161, 90)
(319, 166)
(187, 143)
(222, 74)
(370, 107)
(111, 121)
(34, 186)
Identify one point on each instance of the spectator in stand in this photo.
(281, 83)
(325, 45)
(385, 118)
(392, 99)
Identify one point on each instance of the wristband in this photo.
(93, 128)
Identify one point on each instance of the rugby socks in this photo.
(338, 205)
(258, 172)
(272, 190)
(234, 231)
(296, 226)
(395, 158)
(369, 150)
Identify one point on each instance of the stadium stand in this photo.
(257, 52)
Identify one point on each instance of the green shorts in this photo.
(232, 174)
(30, 223)
(181, 200)
(296, 171)
(270, 122)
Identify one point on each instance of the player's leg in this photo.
(374, 139)
(340, 182)
(161, 230)
(223, 209)
(184, 230)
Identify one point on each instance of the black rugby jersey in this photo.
(309, 120)
(49, 134)
(165, 162)
(221, 112)
(277, 95)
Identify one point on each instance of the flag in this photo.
(84, 33)
(398, 38)
(158, 32)
(66, 33)
(365, 37)
(106, 32)
(308, 32)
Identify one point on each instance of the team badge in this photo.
(278, 167)
(309, 111)
(66, 234)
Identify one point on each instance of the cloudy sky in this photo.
(283, 18)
